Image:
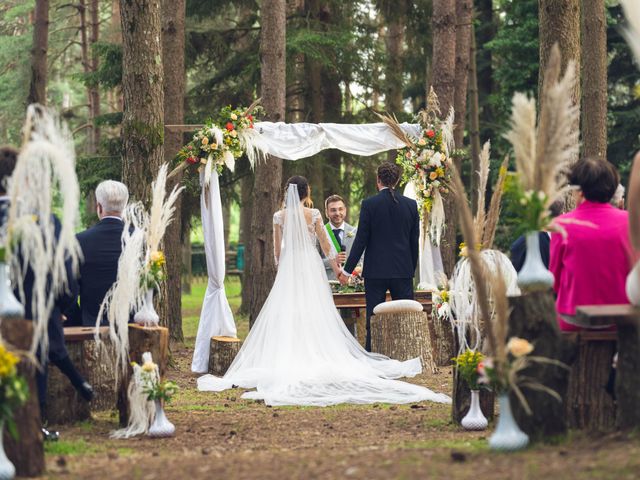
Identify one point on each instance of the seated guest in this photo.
(591, 263)
(519, 247)
(58, 354)
(340, 232)
(101, 248)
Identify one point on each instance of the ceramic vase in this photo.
(147, 315)
(507, 436)
(10, 307)
(474, 419)
(534, 275)
(7, 470)
(161, 426)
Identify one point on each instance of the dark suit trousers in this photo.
(375, 292)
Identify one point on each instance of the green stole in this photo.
(333, 238)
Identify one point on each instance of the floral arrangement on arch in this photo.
(221, 141)
(426, 162)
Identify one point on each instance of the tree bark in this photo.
(464, 18)
(38, 83)
(246, 213)
(627, 391)
(533, 317)
(443, 81)
(27, 451)
(594, 79)
(268, 174)
(474, 122)
(173, 38)
(94, 92)
(223, 351)
(142, 86)
(559, 23)
(403, 336)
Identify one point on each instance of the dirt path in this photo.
(223, 436)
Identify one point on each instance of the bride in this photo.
(299, 351)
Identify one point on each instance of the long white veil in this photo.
(299, 352)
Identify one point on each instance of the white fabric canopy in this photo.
(292, 141)
(216, 318)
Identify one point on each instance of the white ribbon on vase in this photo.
(216, 318)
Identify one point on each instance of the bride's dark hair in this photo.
(304, 190)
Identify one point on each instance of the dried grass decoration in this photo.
(466, 317)
(45, 169)
(140, 266)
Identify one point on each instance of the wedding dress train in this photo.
(299, 351)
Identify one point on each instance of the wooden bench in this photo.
(64, 404)
(627, 320)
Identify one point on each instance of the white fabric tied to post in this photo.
(293, 141)
(216, 318)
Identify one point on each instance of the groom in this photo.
(388, 234)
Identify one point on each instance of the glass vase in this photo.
(507, 436)
(161, 426)
(7, 470)
(10, 307)
(147, 315)
(474, 419)
(534, 275)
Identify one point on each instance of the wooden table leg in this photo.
(627, 384)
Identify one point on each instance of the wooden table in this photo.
(357, 300)
(627, 320)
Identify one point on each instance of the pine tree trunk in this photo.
(94, 92)
(443, 81)
(246, 212)
(594, 79)
(394, 71)
(464, 16)
(142, 87)
(173, 38)
(474, 122)
(38, 85)
(559, 23)
(268, 174)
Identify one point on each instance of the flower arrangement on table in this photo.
(221, 141)
(13, 389)
(355, 284)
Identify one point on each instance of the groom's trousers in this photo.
(375, 292)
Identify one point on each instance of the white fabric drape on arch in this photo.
(289, 141)
(216, 318)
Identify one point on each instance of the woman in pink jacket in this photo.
(590, 265)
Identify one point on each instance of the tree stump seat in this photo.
(64, 404)
(403, 336)
(222, 353)
(626, 318)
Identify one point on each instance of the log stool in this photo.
(400, 330)
(223, 351)
(27, 451)
(141, 340)
(64, 404)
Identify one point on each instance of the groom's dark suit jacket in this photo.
(388, 234)
(101, 248)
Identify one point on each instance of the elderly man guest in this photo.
(101, 248)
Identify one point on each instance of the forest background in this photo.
(345, 60)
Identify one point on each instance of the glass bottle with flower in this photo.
(466, 365)
(160, 392)
(153, 275)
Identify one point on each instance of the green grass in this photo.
(69, 447)
(192, 305)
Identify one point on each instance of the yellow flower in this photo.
(519, 347)
(205, 141)
(213, 146)
(157, 257)
(433, 175)
(233, 133)
(422, 142)
(234, 116)
(440, 171)
(8, 363)
(148, 367)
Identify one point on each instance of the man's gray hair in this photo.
(112, 195)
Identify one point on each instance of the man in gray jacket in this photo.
(340, 232)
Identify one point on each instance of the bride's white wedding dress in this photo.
(299, 351)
